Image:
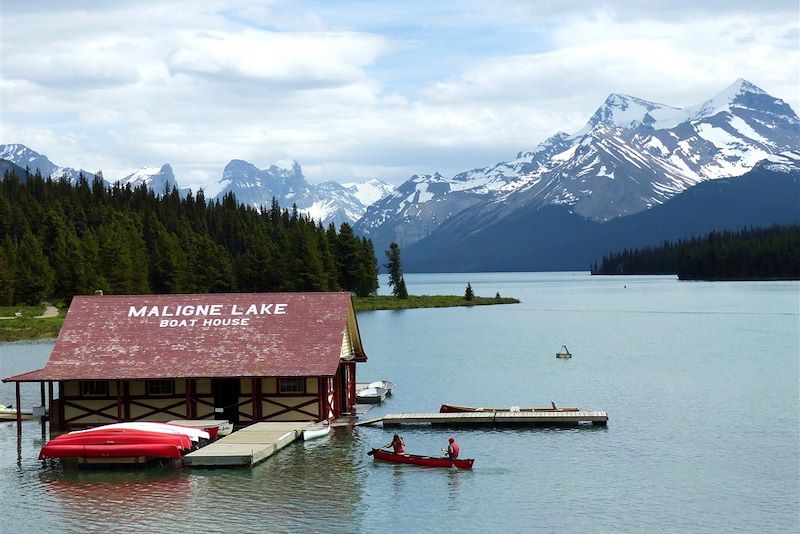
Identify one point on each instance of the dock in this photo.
(247, 447)
(521, 418)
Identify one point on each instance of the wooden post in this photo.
(50, 402)
(19, 411)
(126, 399)
(193, 399)
(62, 410)
(119, 400)
(321, 393)
(352, 385)
(44, 410)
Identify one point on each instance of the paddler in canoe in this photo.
(397, 444)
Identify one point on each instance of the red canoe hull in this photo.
(427, 461)
(452, 408)
(122, 437)
(74, 450)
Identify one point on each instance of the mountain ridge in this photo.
(632, 155)
(556, 238)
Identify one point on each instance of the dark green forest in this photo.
(754, 254)
(58, 240)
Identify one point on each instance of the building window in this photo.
(160, 387)
(94, 388)
(291, 385)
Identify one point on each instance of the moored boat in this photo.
(214, 427)
(10, 414)
(118, 440)
(426, 461)
(117, 443)
(385, 384)
(564, 353)
(316, 431)
(122, 450)
(371, 395)
(454, 408)
(195, 434)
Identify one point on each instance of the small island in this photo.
(390, 302)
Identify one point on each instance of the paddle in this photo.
(370, 453)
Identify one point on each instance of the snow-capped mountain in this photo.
(29, 159)
(369, 192)
(634, 154)
(631, 155)
(554, 238)
(158, 179)
(328, 202)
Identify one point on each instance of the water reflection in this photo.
(94, 499)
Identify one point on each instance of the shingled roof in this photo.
(194, 336)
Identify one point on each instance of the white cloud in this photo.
(300, 60)
(352, 92)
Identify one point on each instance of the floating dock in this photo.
(248, 446)
(521, 418)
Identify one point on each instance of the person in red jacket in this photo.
(452, 448)
(397, 444)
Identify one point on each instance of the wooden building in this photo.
(242, 357)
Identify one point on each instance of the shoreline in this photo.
(33, 326)
(388, 302)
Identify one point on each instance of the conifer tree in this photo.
(469, 294)
(348, 258)
(34, 276)
(7, 280)
(395, 270)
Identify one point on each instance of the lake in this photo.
(700, 381)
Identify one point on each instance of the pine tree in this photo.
(348, 258)
(34, 276)
(6, 279)
(469, 294)
(395, 269)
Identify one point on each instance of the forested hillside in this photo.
(58, 240)
(761, 254)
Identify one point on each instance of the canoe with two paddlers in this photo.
(427, 461)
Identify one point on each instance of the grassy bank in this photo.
(425, 301)
(26, 326)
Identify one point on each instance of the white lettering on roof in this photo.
(205, 310)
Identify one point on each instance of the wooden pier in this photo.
(248, 446)
(521, 418)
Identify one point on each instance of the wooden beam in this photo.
(119, 401)
(19, 411)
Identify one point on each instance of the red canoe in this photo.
(454, 408)
(428, 461)
(76, 450)
(116, 443)
(120, 437)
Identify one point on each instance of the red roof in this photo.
(194, 336)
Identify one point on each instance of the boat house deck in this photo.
(248, 446)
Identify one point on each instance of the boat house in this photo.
(241, 357)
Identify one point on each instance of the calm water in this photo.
(700, 381)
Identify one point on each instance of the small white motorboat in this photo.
(319, 430)
(385, 384)
(564, 353)
(10, 414)
(371, 395)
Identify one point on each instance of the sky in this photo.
(355, 90)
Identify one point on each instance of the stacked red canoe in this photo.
(122, 440)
